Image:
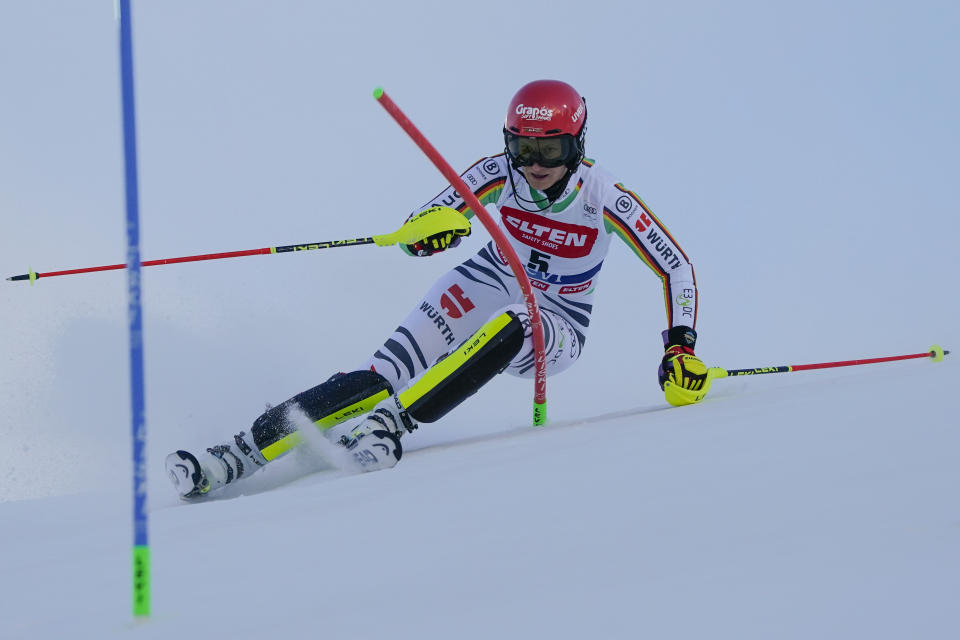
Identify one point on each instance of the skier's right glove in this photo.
(683, 376)
(437, 242)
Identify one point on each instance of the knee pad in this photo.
(462, 372)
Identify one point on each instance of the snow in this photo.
(804, 156)
(820, 506)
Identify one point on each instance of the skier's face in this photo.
(542, 178)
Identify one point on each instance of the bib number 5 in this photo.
(539, 262)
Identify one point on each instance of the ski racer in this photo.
(560, 212)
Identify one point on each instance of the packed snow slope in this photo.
(823, 506)
(804, 155)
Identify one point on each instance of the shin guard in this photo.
(342, 397)
(459, 375)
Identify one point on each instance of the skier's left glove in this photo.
(683, 376)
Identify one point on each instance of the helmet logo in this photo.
(576, 115)
(534, 113)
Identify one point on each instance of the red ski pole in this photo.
(432, 221)
(936, 353)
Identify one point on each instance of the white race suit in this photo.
(562, 244)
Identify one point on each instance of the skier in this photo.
(560, 212)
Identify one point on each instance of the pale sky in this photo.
(803, 154)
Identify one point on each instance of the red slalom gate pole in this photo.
(540, 370)
(935, 353)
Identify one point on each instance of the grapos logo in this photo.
(534, 113)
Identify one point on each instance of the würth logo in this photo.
(560, 239)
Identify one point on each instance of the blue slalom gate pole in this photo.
(141, 548)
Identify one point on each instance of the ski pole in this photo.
(432, 221)
(678, 397)
(936, 353)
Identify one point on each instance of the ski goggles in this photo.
(546, 152)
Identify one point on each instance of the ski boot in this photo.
(375, 442)
(195, 476)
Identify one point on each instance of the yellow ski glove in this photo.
(683, 376)
(443, 239)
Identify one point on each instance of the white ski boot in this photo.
(375, 442)
(195, 476)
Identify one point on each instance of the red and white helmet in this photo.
(547, 108)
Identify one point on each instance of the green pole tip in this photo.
(378, 93)
(141, 581)
(539, 413)
(937, 353)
